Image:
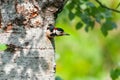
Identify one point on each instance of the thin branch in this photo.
(118, 5)
(107, 7)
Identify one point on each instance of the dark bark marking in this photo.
(26, 43)
(12, 48)
(19, 21)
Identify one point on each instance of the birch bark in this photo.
(30, 54)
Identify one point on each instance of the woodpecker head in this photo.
(52, 31)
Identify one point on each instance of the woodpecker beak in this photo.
(66, 34)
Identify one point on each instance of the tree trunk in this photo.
(30, 53)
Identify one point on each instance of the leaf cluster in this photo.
(89, 14)
(115, 73)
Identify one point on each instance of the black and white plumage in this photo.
(53, 31)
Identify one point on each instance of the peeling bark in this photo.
(29, 54)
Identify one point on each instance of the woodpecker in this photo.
(53, 31)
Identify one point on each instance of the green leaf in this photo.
(70, 5)
(98, 17)
(91, 24)
(79, 25)
(3, 47)
(86, 28)
(71, 15)
(58, 78)
(78, 12)
(85, 18)
(108, 25)
(115, 73)
(90, 4)
(108, 14)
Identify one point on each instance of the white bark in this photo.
(30, 54)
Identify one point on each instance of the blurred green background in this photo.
(87, 55)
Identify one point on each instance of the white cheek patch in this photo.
(54, 31)
(58, 32)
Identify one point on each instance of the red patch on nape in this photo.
(55, 28)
